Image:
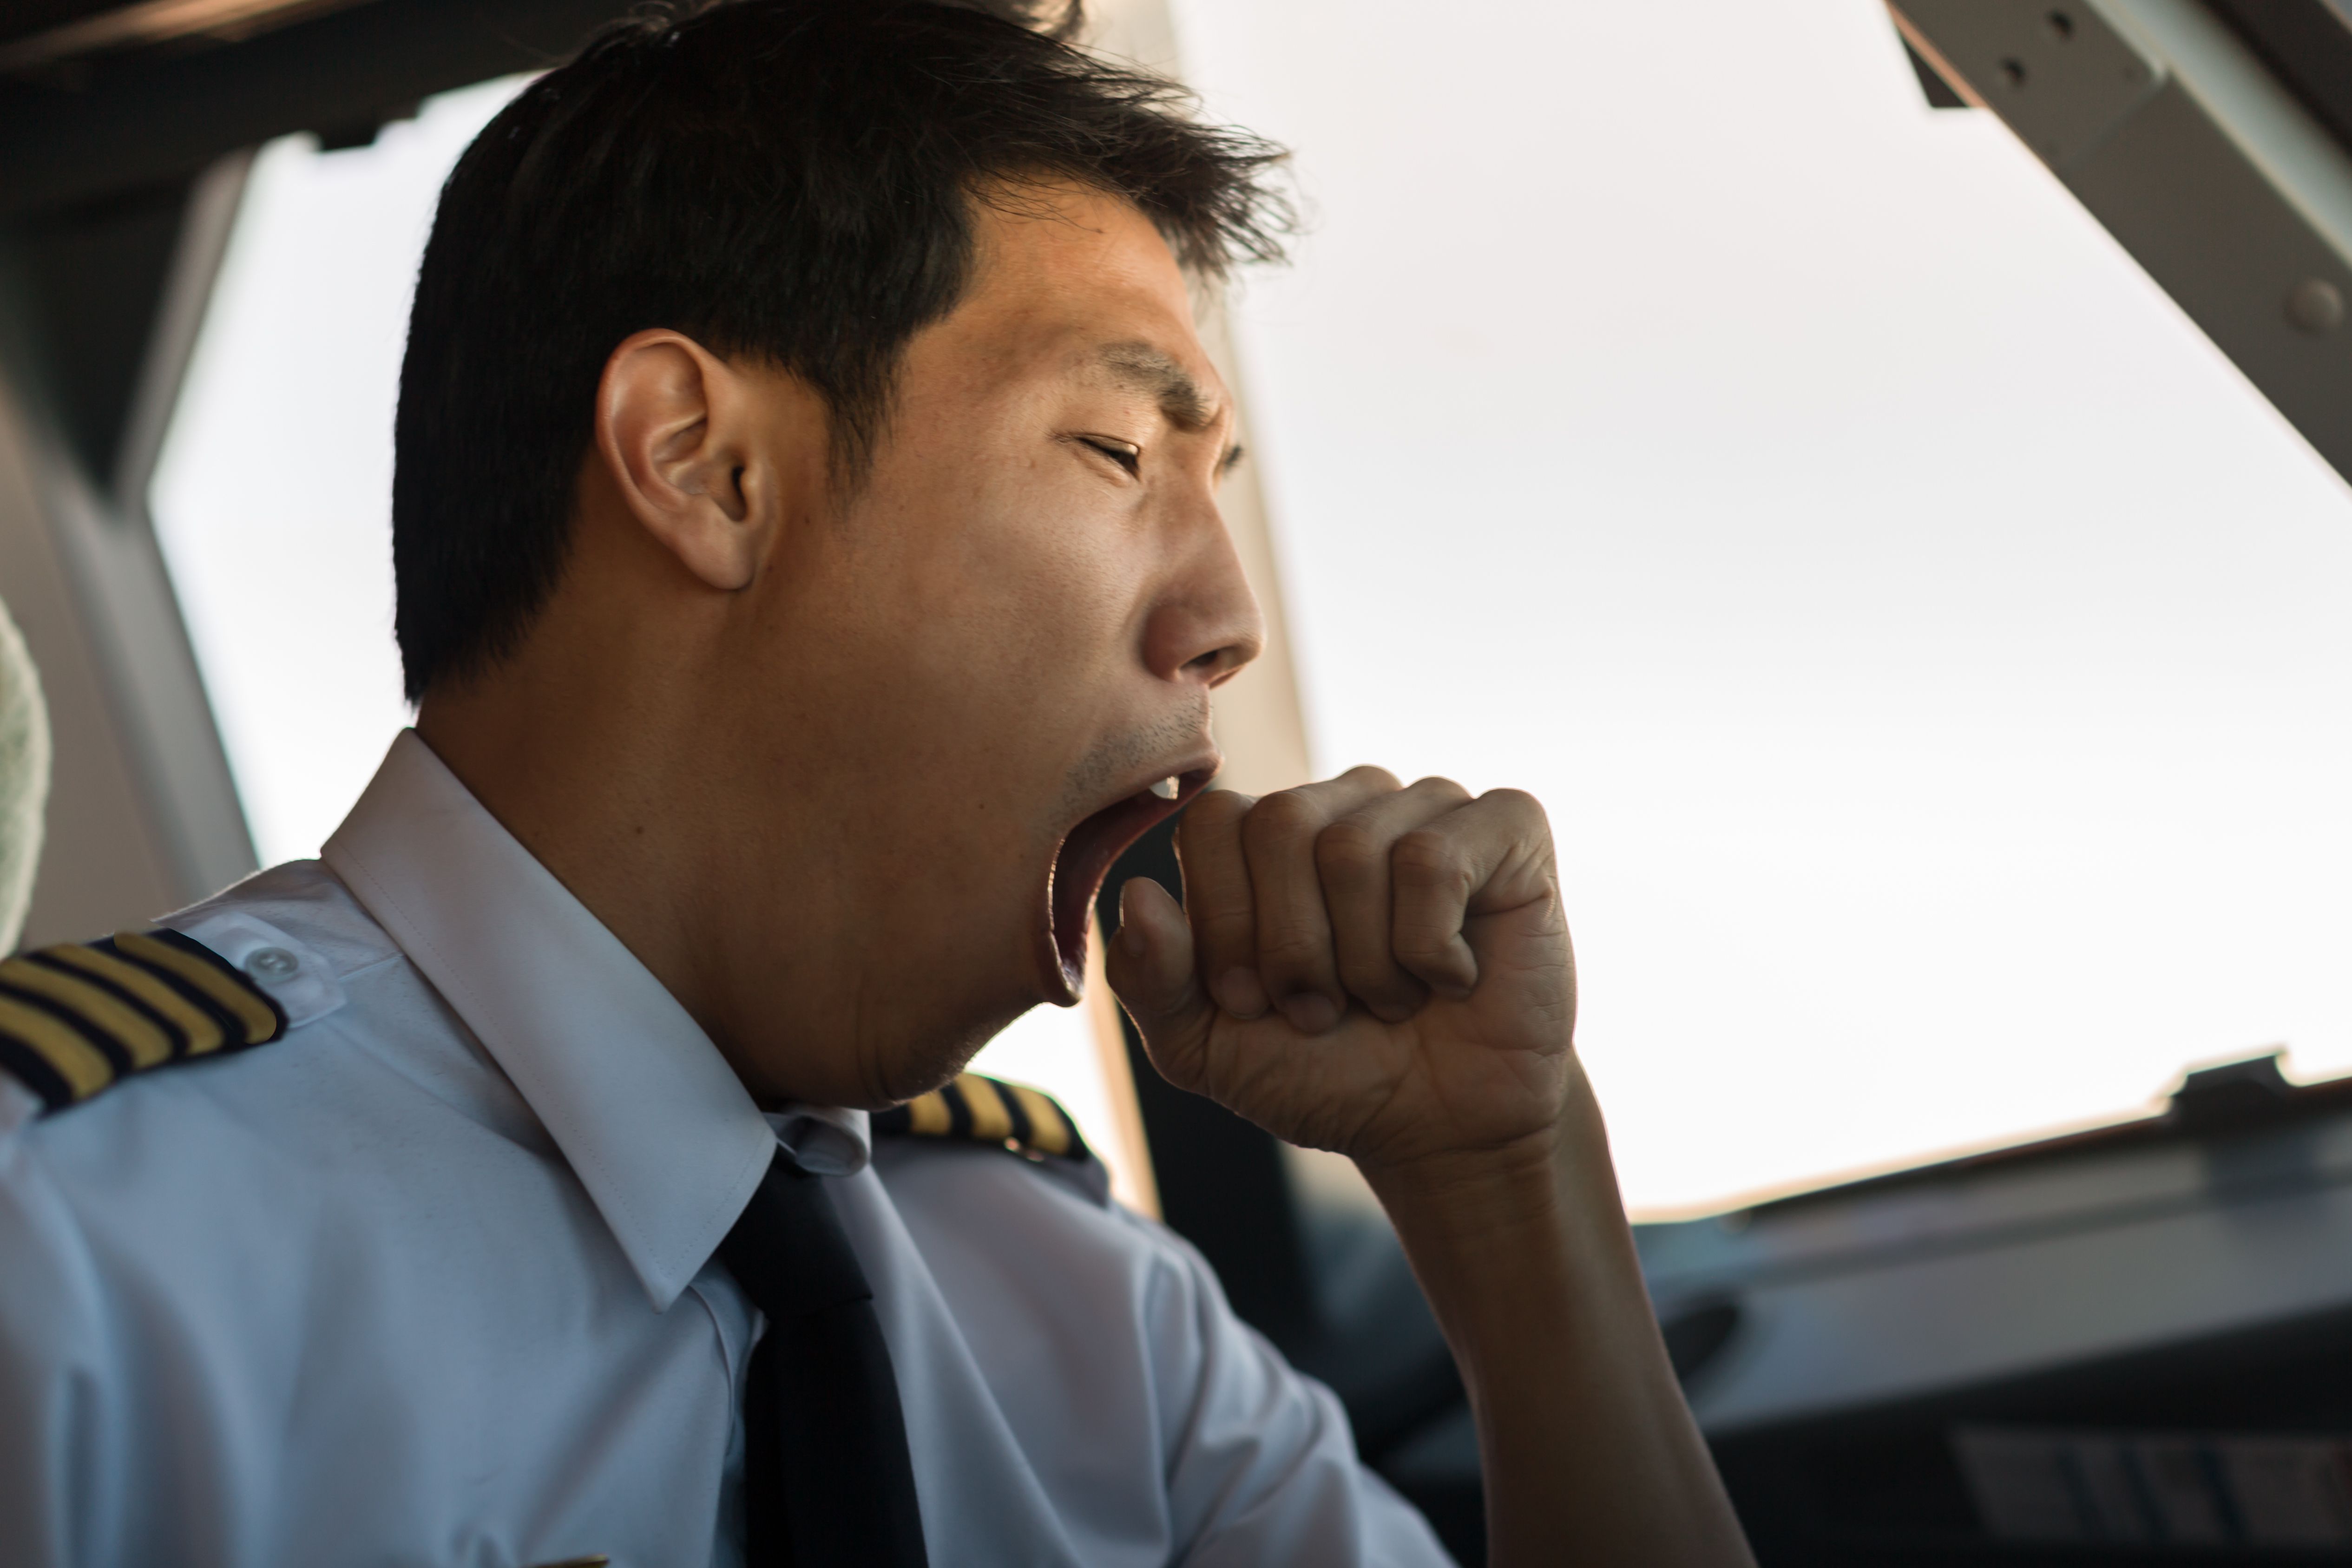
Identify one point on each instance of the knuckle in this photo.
(1516, 801)
(1291, 808)
(1280, 816)
(1365, 773)
(1348, 846)
(1442, 788)
(1216, 808)
(1425, 858)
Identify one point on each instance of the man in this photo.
(810, 578)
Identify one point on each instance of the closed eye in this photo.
(1126, 454)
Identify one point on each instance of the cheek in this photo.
(1023, 586)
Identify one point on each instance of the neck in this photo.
(600, 755)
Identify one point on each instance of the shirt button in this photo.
(271, 964)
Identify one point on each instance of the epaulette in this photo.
(77, 1017)
(977, 1110)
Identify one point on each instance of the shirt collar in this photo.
(655, 1125)
(824, 1140)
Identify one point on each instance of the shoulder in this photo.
(1092, 1322)
(301, 900)
(101, 1141)
(212, 1108)
(262, 1046)
(977, 1112)
(997, 1189)
(84, 1021)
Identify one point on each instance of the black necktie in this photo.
(827, 1482)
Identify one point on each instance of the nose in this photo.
(1207, 623)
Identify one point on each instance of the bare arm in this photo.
(1385, 972)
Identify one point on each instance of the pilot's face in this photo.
(1010, 636)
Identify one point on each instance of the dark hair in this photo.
(790, 180)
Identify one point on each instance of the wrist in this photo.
(1544, 1200)
(1473, 1191)
(1565, 1151)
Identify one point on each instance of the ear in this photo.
(680, 431)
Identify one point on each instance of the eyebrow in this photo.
(1179, 396)
(1147, 369)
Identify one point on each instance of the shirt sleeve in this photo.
(1262, 1464)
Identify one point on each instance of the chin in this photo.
(935, 1060)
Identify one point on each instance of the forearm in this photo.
(1589, 1453)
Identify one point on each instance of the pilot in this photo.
(810, 577)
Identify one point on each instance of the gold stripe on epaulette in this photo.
(81, 1065)
(928, 1116)
(76, 1018)
(1049, 1131)
(980, 1110)
(220, 988)
(139, 1037)
(203, 1031)
(991, 1122)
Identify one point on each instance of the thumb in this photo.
(1150, 966)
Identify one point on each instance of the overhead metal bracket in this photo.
(2209, 170)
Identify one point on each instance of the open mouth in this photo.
(1085, 857)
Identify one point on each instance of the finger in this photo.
(1150, 966)
(1493, 854)
(1218, 902)
(1295, 957)
(1352, 857)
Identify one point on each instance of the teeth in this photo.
(1168, 788)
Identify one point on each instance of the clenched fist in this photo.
(1379, 969)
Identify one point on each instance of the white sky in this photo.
(1930, 648)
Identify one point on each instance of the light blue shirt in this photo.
(430, 1280)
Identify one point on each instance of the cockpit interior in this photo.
(1997, 1306)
